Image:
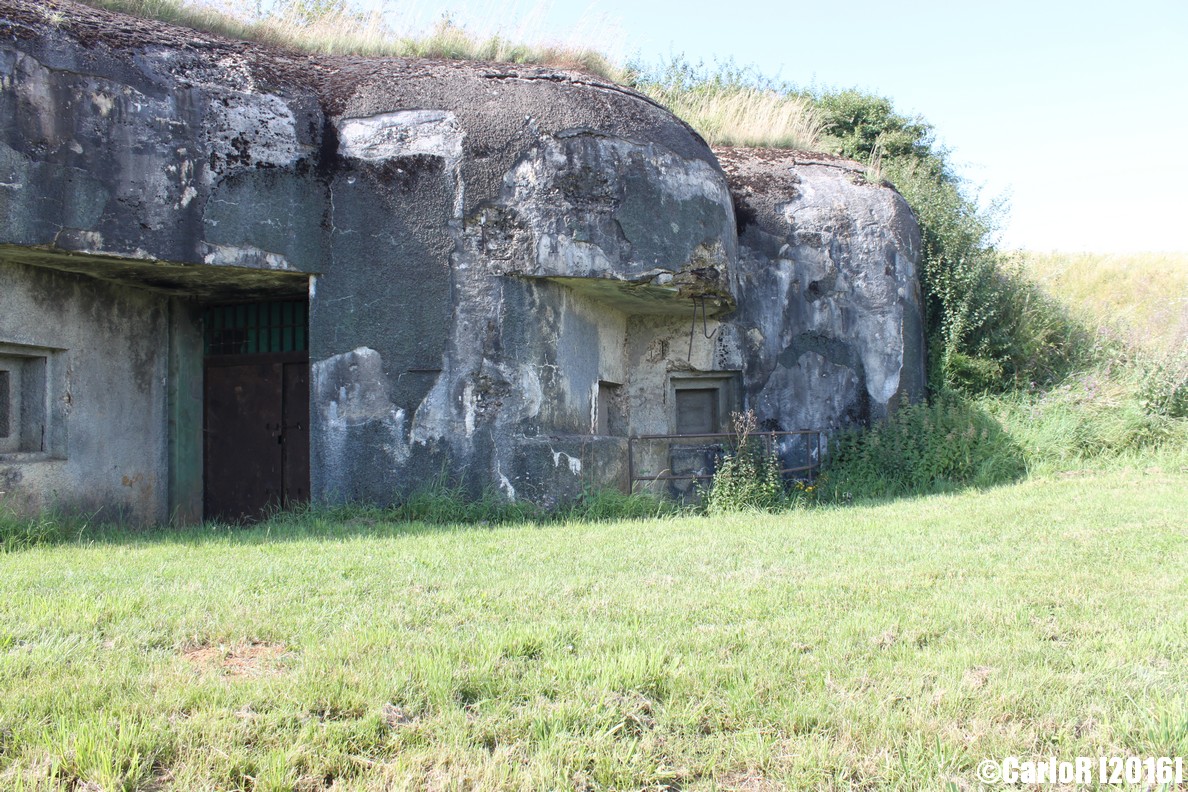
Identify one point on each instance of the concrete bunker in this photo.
(505, 275)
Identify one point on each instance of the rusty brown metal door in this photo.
(295, 436)
(256, 438)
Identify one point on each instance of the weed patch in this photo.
(20, 532)
(945, 445)
(748, 476)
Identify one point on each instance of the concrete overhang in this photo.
(206, 282)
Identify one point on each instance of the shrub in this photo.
(922, 448)
(858, 124)
(748, 477)
(1164, 386)
(989, 327)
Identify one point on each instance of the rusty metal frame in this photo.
(769, 444)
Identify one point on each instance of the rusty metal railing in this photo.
(771, 440)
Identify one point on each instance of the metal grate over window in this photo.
(255, 328)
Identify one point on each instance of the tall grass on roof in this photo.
(736, 116)
(340, 28)
(732, 105)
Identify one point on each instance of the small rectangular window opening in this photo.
(23, 419)
(610, 412)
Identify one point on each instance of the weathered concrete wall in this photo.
(838, 254)
(482, 245)
(105, 441)
(585, 231)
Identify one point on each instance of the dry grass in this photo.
(746, 117)
(253, 658)
(346, 31)
(1141, 297)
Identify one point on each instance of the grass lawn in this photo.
(874, 646)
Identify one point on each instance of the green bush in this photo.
(747, 478)
(860, 124)
(922, 448)
(1164, 387)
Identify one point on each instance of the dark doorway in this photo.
(255, 409)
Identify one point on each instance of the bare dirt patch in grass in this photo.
(395, 717)
(747, 782)
(976, 677)
(245, 660)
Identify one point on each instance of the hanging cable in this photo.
(699, 299)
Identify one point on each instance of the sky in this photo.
(1074, 113)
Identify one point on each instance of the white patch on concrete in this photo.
(34, 83)
(401, 134)
(246, 130)
(364, 396)
(406, 133)
(238, 74)
(883, 363)
(245, 256)
(396, 448)
(593, 408)
(103, 103)
(469, 408)
(434, 417)
(575, 464)
(504, 484)
(92, 241)
(188, 194)
(185, 177)
(531, 392)
(360, 397)
(562, 254)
